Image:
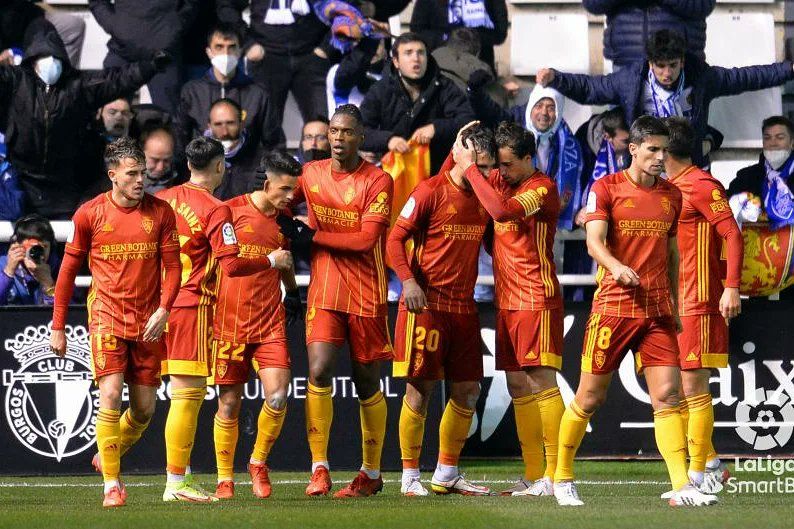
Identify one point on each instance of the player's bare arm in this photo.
(596, 247)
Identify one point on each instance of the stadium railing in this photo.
(62, 227)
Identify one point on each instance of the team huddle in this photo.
(188, 286)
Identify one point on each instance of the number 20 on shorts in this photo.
(432, 337)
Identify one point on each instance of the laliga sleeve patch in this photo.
(591, 202)
(408, 208)
(228, 234)
(70, 232)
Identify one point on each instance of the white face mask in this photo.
(224, 63)
(49, 70)
(777, 157)
(228, 145)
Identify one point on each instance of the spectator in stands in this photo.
(158, 146)
(47, 103)
(414, 102)
(242, 156)
(139, 28)
(226, 79)
(631, 22)
(282, 47)
(434, 20)
(314, 141)
(116, 117)
(769, 182)
(29, 266)
(15, 18)
(458, 57)
(670, 83)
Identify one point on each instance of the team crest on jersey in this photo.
(100, 360)
(350, 194)
(221, 368)
(666, 204)
(107, 227)
(147, 224)
(600, 358)
(50, 405)
(629, 203)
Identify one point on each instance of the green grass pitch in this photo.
(616, 494)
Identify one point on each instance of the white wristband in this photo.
(272, 261)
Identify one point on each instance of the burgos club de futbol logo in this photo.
(48, 402)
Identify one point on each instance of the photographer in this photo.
(27, 274)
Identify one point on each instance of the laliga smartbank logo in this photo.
(776, 476)
(49, 404)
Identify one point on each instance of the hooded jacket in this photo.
(43, 122)
(388, 111)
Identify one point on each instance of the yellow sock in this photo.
(671, 441)
(373, 430)
(530, 435)
(452, 434)
(268, 428)
(131, 431)
(551, 409)
(107, 440)
(225, 434)
(180, 427)
(711, 454)
(412, 430)
(319, 414)
(699, 430)
(684, 410)
(572, 428)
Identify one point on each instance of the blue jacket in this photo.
(631, 22)
(23, 289)
(625, 88)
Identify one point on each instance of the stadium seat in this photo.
(725, 170)
(752, 41)
(292, 123)
(564, 43)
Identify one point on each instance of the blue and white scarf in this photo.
(776, 195)
(469, 13)
(282, 12)
(564, 164)
(606, 163)
(664, 103)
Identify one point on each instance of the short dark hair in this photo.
(225, 30)
(280, 162)
(201, 151)
(516, 138)
(482, 139)
(152, 130)
(121, 149)
(614, 120)
(682, 136)
(778, 120)
(315, 119)
(645, 126)
(226, 101)
(405, 38)
(466, 40)
(352, 111)
(665, 45)
(33, 226)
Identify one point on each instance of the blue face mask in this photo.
(49, 70)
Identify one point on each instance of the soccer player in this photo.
(207, 239)
(349, 206)
(438, 328)
(129, 237)
(525, 206)
(705, 305)
(250, 325)
(631, 225)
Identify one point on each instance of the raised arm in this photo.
(732, 81)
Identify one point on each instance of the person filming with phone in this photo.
(28, 276)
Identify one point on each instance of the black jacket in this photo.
(298, 38)
(751, 179)
(388, 111)
(43, 124)
(199, 94)
(240, 172)
(430, 19)
(15, 17)
(137, 28)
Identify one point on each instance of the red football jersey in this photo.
(703, 265)
(249, 308)
(447, 224)
(205, 232)
(352, 282)
(641, 221)
(124, 247)
(525, 277)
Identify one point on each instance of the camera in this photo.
(35, 253)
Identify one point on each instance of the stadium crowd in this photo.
(76, 146)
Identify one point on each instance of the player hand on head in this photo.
(299, 233)
(464, 154)
(293, 307)
(730, 303)
(281, 259)
(58, 342)
(156, 325)
(624, 275)
(414, 296)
